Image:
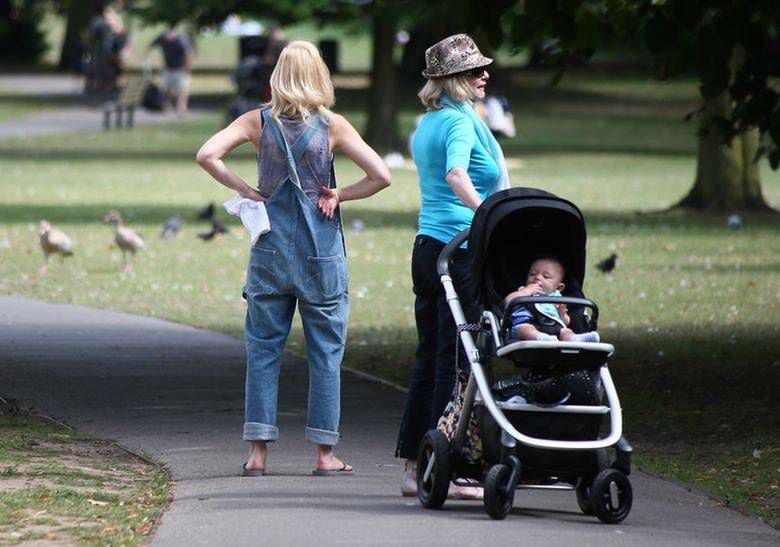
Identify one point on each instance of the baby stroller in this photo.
(540, 426)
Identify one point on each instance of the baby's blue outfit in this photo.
(524, 315)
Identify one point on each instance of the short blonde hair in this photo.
(301, 82)
(455, 86)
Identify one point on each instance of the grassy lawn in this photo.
(60, 487)
(690, 307)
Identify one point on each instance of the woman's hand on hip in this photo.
(254, 195)
(329, 200)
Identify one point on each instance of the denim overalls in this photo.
(302, 259)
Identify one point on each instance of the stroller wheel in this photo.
(497, 501)
(433, 469)
(611, 496)
(583, 498)
(600, 462)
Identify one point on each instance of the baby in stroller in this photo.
(551, 436)
(544, 321)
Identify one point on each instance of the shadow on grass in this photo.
(598, 222)
(102, 155)
(92, 213)
(712, 385)
(130, 153)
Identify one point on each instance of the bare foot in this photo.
(258, 453)
(465, 492)
(326, 461)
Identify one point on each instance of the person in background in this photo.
(178, 53)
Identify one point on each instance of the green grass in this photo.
(59, 485)
(690, 307)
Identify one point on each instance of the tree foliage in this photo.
(21, 38)
(731, 45)
(204, 13)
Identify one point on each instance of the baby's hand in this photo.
(530, 290)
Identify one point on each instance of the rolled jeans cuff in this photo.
(322, 436)
(254, 431)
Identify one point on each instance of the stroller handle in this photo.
(522, 300)
(443, 265)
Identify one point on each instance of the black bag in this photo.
(154, 98)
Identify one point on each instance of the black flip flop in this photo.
(341, 471)
(251, 472)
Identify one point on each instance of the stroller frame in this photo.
(609, 496)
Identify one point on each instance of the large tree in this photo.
(731, 45)
(78, 14)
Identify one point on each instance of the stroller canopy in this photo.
(514, 227)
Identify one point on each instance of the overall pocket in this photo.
(326, 278)
(261, 274)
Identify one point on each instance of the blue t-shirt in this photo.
(445, 139)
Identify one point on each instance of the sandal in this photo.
(333, 472)
(252, 472)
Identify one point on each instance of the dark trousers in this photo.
(433, 378)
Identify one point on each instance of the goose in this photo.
(54, 241)
(126, 238)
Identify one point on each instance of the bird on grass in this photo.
(608, 264)
(207, 213)
(54, 241)
(172, 226)
(217, 228)
(125, 238)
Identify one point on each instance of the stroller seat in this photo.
(557, 355)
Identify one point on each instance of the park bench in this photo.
(129, 98)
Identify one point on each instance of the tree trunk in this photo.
(727, 175)
(79, 13)
(382, 126)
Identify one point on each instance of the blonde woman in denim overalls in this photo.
(302, 259)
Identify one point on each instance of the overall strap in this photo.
(295, 153)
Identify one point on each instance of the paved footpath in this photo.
(175, 393)
(80, 117)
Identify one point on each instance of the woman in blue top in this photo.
(459, 164)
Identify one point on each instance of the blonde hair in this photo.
(455, 86)
(300, 82)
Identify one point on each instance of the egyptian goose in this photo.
(126, 238)
(54, 241)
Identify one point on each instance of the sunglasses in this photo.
(474, 72)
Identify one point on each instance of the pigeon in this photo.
(207, 213)
(172, 225)
(734, 221)
(54, 241)
(608, 264)
(217, 228)
(357, 225)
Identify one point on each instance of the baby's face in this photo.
(547, 272)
